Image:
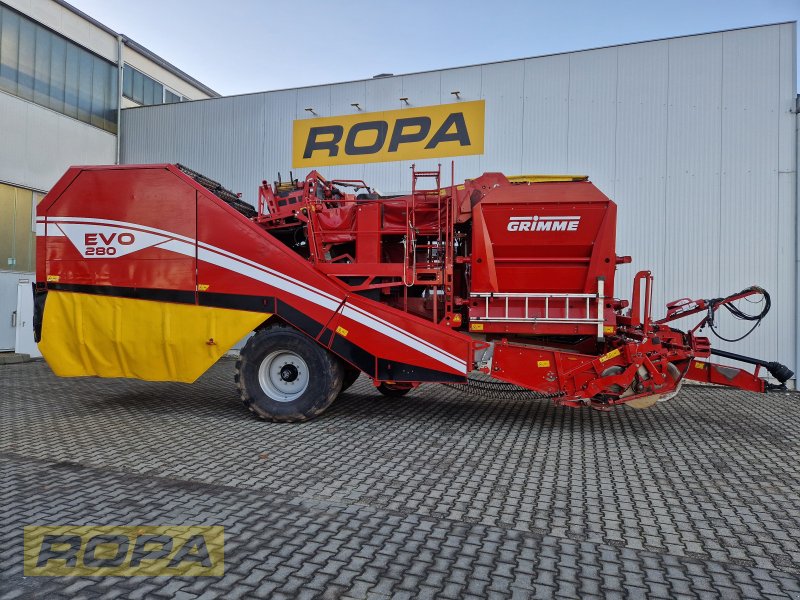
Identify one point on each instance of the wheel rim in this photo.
(283, 376)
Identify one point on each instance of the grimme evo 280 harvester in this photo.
(154, 272)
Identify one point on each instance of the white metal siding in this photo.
(693, 138)
(39, 144)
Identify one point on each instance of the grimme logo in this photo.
(537, 223)
(454, 129)
(123, 550)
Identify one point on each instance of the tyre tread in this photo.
(331, 363)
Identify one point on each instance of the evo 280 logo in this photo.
(537, 223)
(125, 551)
(109, 241)
(98, 244)
(454, 129)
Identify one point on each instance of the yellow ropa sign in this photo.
(127, 551)
(407, 134)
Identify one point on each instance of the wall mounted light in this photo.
(311, 110)
(356, 106)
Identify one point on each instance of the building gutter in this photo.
(120, 69)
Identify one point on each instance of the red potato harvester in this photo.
(154, 272)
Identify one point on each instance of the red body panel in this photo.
(545, 237)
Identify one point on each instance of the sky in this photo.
(243, 46)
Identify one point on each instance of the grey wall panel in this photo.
(503, 89)
(693, 138)
(230, 149)
(640, 159)
(545, 139)
(39, 144)
(787, 217)
(317, 99)
(279, 111)
(592, 112)
(693, 204)
(749, 178)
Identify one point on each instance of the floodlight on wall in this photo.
(311, 110)
(457, 94)
(356, 106)
(405, 100)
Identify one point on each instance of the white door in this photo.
(8, 308)
(25, 343)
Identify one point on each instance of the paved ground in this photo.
(440, 494)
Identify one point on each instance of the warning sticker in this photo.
(609, 355)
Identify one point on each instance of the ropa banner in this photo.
(406, 134)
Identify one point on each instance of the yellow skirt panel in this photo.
(106, 336)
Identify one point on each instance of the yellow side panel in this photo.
(84, 334)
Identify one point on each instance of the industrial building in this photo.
(694, 137)
(63, 79)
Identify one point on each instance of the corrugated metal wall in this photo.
(693, 137)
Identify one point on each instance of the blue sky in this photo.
(242, 46)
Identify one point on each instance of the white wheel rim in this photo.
(283, 376)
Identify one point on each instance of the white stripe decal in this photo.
(54, 231)
(137, 227)
(219, 260)
(398, 331)
(227, 260)
(401, 336)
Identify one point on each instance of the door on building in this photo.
(8, 308)
(24, 329)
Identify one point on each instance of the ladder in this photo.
(437, 273)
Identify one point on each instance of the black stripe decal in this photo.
(389, 370)
(353, 354)
(325, 337)
(299, 319)
(179, 296)
(238, 302)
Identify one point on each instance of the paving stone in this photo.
(441, 494)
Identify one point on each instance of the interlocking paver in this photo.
(441, 494)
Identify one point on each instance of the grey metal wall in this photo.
(693, 137)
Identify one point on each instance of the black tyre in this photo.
(394, 390)
(283, 375)
(350, 377)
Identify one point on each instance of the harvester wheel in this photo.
(393, 390)
(284, 376)
(350, 377)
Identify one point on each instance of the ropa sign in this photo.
(407, 134)
(124, 550)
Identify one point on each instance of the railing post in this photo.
(601, 301)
